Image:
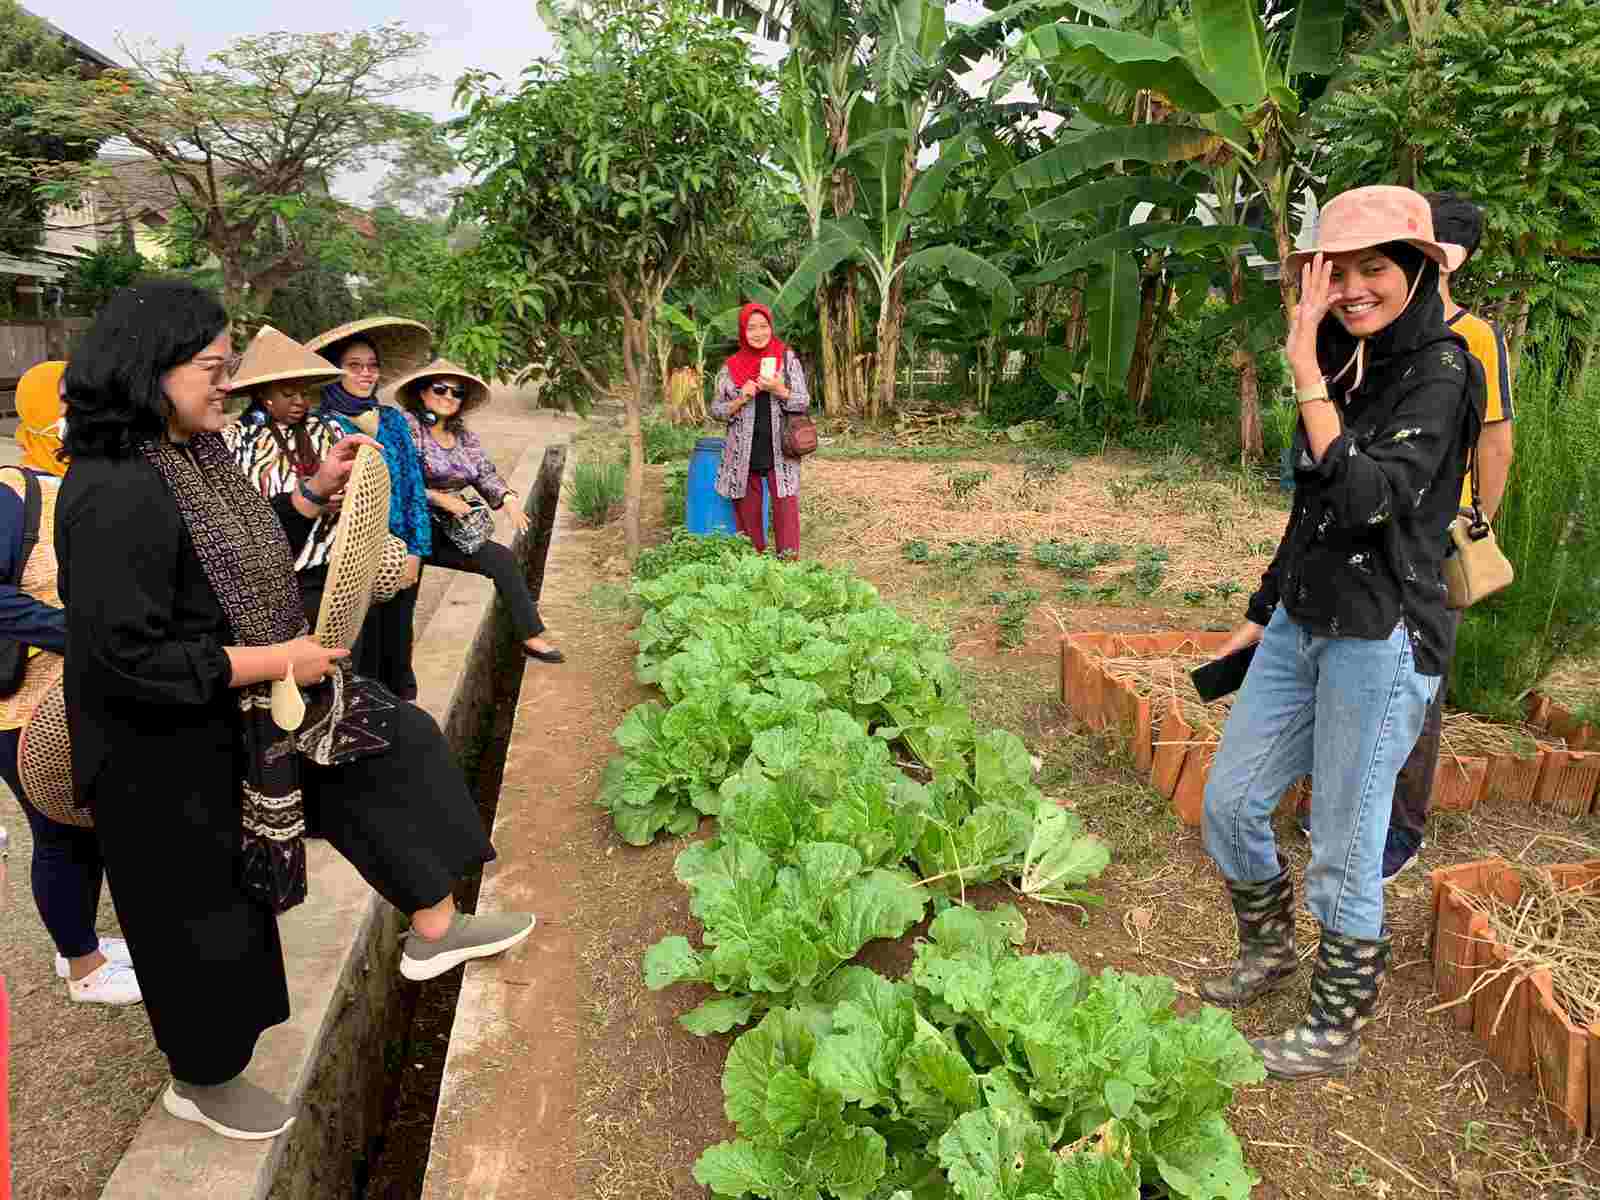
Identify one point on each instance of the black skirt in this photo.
(209, 960)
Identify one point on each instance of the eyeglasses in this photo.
(445, 389)
(361, 368)
(220, 368)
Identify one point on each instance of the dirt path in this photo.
(83, 1075)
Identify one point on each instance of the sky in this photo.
(502, 36)
(499, 35)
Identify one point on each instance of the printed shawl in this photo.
(246, 559)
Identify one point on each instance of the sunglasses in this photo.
(445, 389)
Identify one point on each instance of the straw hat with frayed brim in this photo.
(477, 390)
(1370, 216)
(273, 357)
(402, 344)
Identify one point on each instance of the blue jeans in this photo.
(1345, 711)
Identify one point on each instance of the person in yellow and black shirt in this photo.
(1455, 219)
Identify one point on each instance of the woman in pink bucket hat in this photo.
(1349, 627)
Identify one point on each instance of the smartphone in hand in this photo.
(1223, 676)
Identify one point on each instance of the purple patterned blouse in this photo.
(466, 464)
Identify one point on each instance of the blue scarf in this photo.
(347, 404)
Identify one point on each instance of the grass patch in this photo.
(1092, 775)
(610, 600)
(596, 491)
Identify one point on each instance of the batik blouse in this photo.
(466, 464)
(261, 448)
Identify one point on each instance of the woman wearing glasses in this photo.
(181, 609)
(351, 403)
(437, 400)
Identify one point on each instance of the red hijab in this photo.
(745, 363)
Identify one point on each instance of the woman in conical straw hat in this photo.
(279, 443)
(1349, 626)
(364, 350)
(66, 868)
(437, 399)
(182, 614)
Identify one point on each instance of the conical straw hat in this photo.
(274, 357)
(402, 344)
(477, 389)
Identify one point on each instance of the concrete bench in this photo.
(340, 950)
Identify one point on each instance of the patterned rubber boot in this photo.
(1267, 961)
(1344, 995)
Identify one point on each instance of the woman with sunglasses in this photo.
(178, 578)
(437, 400)
(351, 404)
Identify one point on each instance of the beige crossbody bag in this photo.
(1474, 566)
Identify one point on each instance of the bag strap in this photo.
(32, 510)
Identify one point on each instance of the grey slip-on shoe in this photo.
(480, 935)
(237, 1109)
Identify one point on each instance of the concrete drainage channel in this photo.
(348, 1055)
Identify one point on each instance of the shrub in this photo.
(1546, 526)
(596, 490)
(668, 443)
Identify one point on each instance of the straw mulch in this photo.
(1551, 927)
(1211, 531)
(1466, 735)
(1161, 679)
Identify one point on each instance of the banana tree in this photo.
(1232, 104)
(882, 248)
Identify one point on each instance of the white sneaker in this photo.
(115, 950)
(111, 983)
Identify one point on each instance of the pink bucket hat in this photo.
(1370, 216)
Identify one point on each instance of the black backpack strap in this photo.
(32, 510)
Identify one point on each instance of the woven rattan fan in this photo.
(44, 761)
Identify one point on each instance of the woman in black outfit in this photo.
(181, 608)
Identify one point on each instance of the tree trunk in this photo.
(1151, 287)
(1250, 446)
(635, 354)
(1077, 320)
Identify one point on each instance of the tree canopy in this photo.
(249, 140)
(607, 176)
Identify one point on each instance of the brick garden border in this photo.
(1178, 759)
(1516, 1016)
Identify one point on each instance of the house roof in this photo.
(84, 51)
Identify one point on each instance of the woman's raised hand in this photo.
(335, 470)
(775, 385)
(311, 661)
(1317, 297)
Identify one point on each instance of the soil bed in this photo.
(1426, 1115)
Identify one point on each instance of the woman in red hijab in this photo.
(759, 383)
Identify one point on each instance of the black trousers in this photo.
(497, 563)
(383, 651)
(66, 867)
(1413, 788)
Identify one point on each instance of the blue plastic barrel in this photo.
(704, 511)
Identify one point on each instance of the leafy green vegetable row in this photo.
(787, 684)
(790, 689)
(957, 1083)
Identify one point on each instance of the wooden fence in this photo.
(24, 343)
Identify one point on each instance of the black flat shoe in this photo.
(549, 656)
